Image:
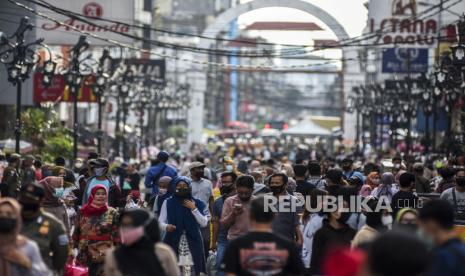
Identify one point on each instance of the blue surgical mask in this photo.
(229, 168)
(59, 192)
(99, 171)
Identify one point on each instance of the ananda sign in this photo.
(58, 34)
(402, 22)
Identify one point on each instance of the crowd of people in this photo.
(239, 214)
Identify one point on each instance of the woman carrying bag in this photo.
(96, 230)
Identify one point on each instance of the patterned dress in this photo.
(93, 229)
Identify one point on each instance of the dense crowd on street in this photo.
(239, 211)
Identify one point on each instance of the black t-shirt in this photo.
(403, 199)
(304, 187)
(262, 253)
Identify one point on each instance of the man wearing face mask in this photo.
(235, 213)
(349, 172)
(45, 229)
(101, 176)
(11, 179)
(220, 233)
(202, 189)
(456, 195)
(286, 222)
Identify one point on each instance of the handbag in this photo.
(74, 269)
(98, 250)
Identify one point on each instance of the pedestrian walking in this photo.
(141, 252)
(260, 252)
(96, 230)
(182, 216)
(44, 228)
(19, 256)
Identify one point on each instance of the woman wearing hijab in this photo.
(141, 252)
(372, 181)
(373, 226)
(53, 199)
(95, 230)
(19, 256)
(386, 187)
(182, 216)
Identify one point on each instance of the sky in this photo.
(351, 14)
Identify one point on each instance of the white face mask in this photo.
(387, 221)
(162, 191)
(99, 171)
(229, 168)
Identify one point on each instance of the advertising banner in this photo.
(153, 69)
(405, 60)
(59, 91)
(93, 10)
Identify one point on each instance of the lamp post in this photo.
(101, 79)
(19, 58)
(74, 77)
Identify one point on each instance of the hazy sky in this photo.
(351, 14)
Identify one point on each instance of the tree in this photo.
(48, 137)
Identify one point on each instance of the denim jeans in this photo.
(220, 249)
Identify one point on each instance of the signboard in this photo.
(405, 60)
(151, 69)
(403, 22)
(117, 10)
(59, 91)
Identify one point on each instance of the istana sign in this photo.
(57, 34)
(403, 22)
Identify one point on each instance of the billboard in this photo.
(116, 10)
(407, 23)
(405, 60)
(153, 69)
(59, 91)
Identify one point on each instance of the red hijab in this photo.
(90, 210)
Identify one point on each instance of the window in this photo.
(148, 5)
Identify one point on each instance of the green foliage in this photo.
(176, 131)
(43, 129)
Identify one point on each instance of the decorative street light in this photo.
(19, 58)
(74, 77)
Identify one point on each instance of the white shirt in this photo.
(203, 190)
(314, 223)
(201, 219)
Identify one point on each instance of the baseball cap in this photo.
(196, 164)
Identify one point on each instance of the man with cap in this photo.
(47, 231)
(11, 179)
(28, 174)
(202, 189)
(347, 166)
(158, 170)
(100, 176)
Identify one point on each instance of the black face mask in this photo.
(408, 227)
(460, 181)
(7, 224)
(226, 189)
(30, 207)
(183, 192)
(245, 199)
(277, 189)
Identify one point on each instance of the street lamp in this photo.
(74, 78)
(19, 58)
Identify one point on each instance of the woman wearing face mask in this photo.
(140, 253)
(95, 230)
(165, 190)
(53, 199)
(407, 220)
(386, 187)
(101, 176)
(19, 256)
(373, 227)
(182, 216)
(334, 233)
(372, 181)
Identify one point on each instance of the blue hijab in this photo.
(185, 221)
